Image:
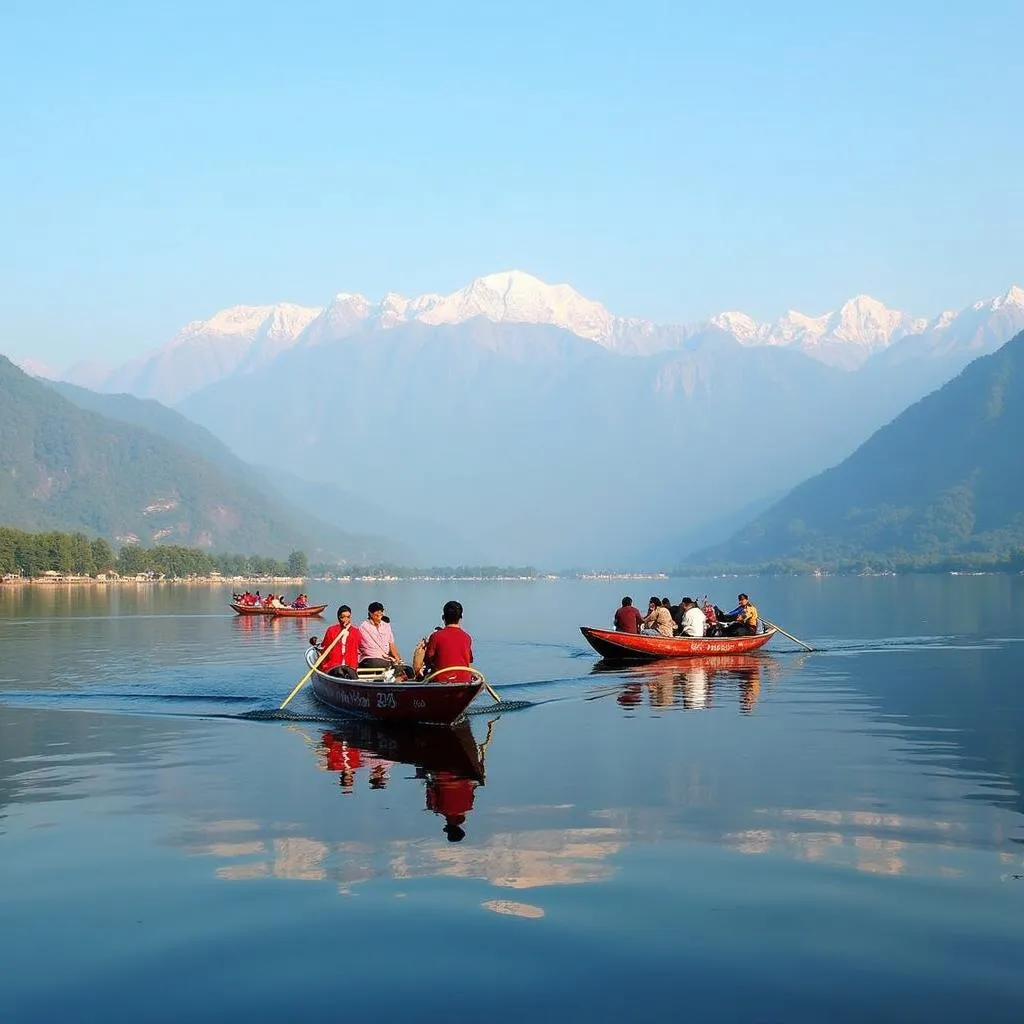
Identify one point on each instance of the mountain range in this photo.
(940, 485)
(246, 338)
(524, 423)
(132, 471)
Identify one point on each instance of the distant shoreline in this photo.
(295, 581)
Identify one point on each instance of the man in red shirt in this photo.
(343, 658)
(627, 618)
(451, 647)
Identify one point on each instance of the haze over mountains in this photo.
(132, 471)
(531, 425)
(942, 483)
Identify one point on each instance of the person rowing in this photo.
(448, 647)
(343, 658)
(742, 620)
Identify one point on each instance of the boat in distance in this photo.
(374, 696)
(285, 611)
(610, 643)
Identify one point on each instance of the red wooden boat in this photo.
(374, 696)
(287, 612)
(610, 643)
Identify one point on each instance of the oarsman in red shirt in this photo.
(343, 658)
(627, 618)
(450, 647)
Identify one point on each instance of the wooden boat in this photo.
(286, 612)
(373, 696)
(610, 643)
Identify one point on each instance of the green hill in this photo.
(63, 467)
(942, 486)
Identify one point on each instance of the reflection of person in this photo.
(627, 618)
(750, 688)
(450, 647)
(377, 641)
(343, 758)
(451, 796)
(343, 658)
(695, 689)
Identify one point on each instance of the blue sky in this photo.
(671, 160)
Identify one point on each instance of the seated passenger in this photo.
(450, 647)
(300, 602)
(627, 618)
(377, 642)
(658, 619)
(693, 619)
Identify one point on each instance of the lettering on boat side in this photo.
(353, 697)
(386, 699)
(418, 704)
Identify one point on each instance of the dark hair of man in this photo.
(688, 602)
(626, 602)
(375, 606)
(451, 613)
(653, 600)
(742, 597)
(666, 602)
(343, 608)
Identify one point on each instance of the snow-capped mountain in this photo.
(244, 338)
(234, 340)
(845, 338)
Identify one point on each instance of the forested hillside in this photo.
(942, 486)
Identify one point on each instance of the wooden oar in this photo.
(789, 636)
(467, 668)
(316, 664)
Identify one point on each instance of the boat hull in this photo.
(312, 612)
(437, 703)
(610, 643)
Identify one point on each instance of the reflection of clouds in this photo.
(523, 860)
(515, 909)
(866, 851)
(512, 860)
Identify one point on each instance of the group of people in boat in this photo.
(371, 645)
(688, 618)
(250, 600)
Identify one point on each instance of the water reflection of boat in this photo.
(690, 683)
(610, 643)
(449, 761)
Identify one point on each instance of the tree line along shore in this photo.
(58, 557)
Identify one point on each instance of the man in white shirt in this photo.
(694, 620)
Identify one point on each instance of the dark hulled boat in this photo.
(374, 696)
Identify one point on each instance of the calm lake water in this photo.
(836, 836)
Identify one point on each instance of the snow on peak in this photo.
(1014, 297)
(513, 296)
(281, 322)
(866, 321)
(742, 327)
